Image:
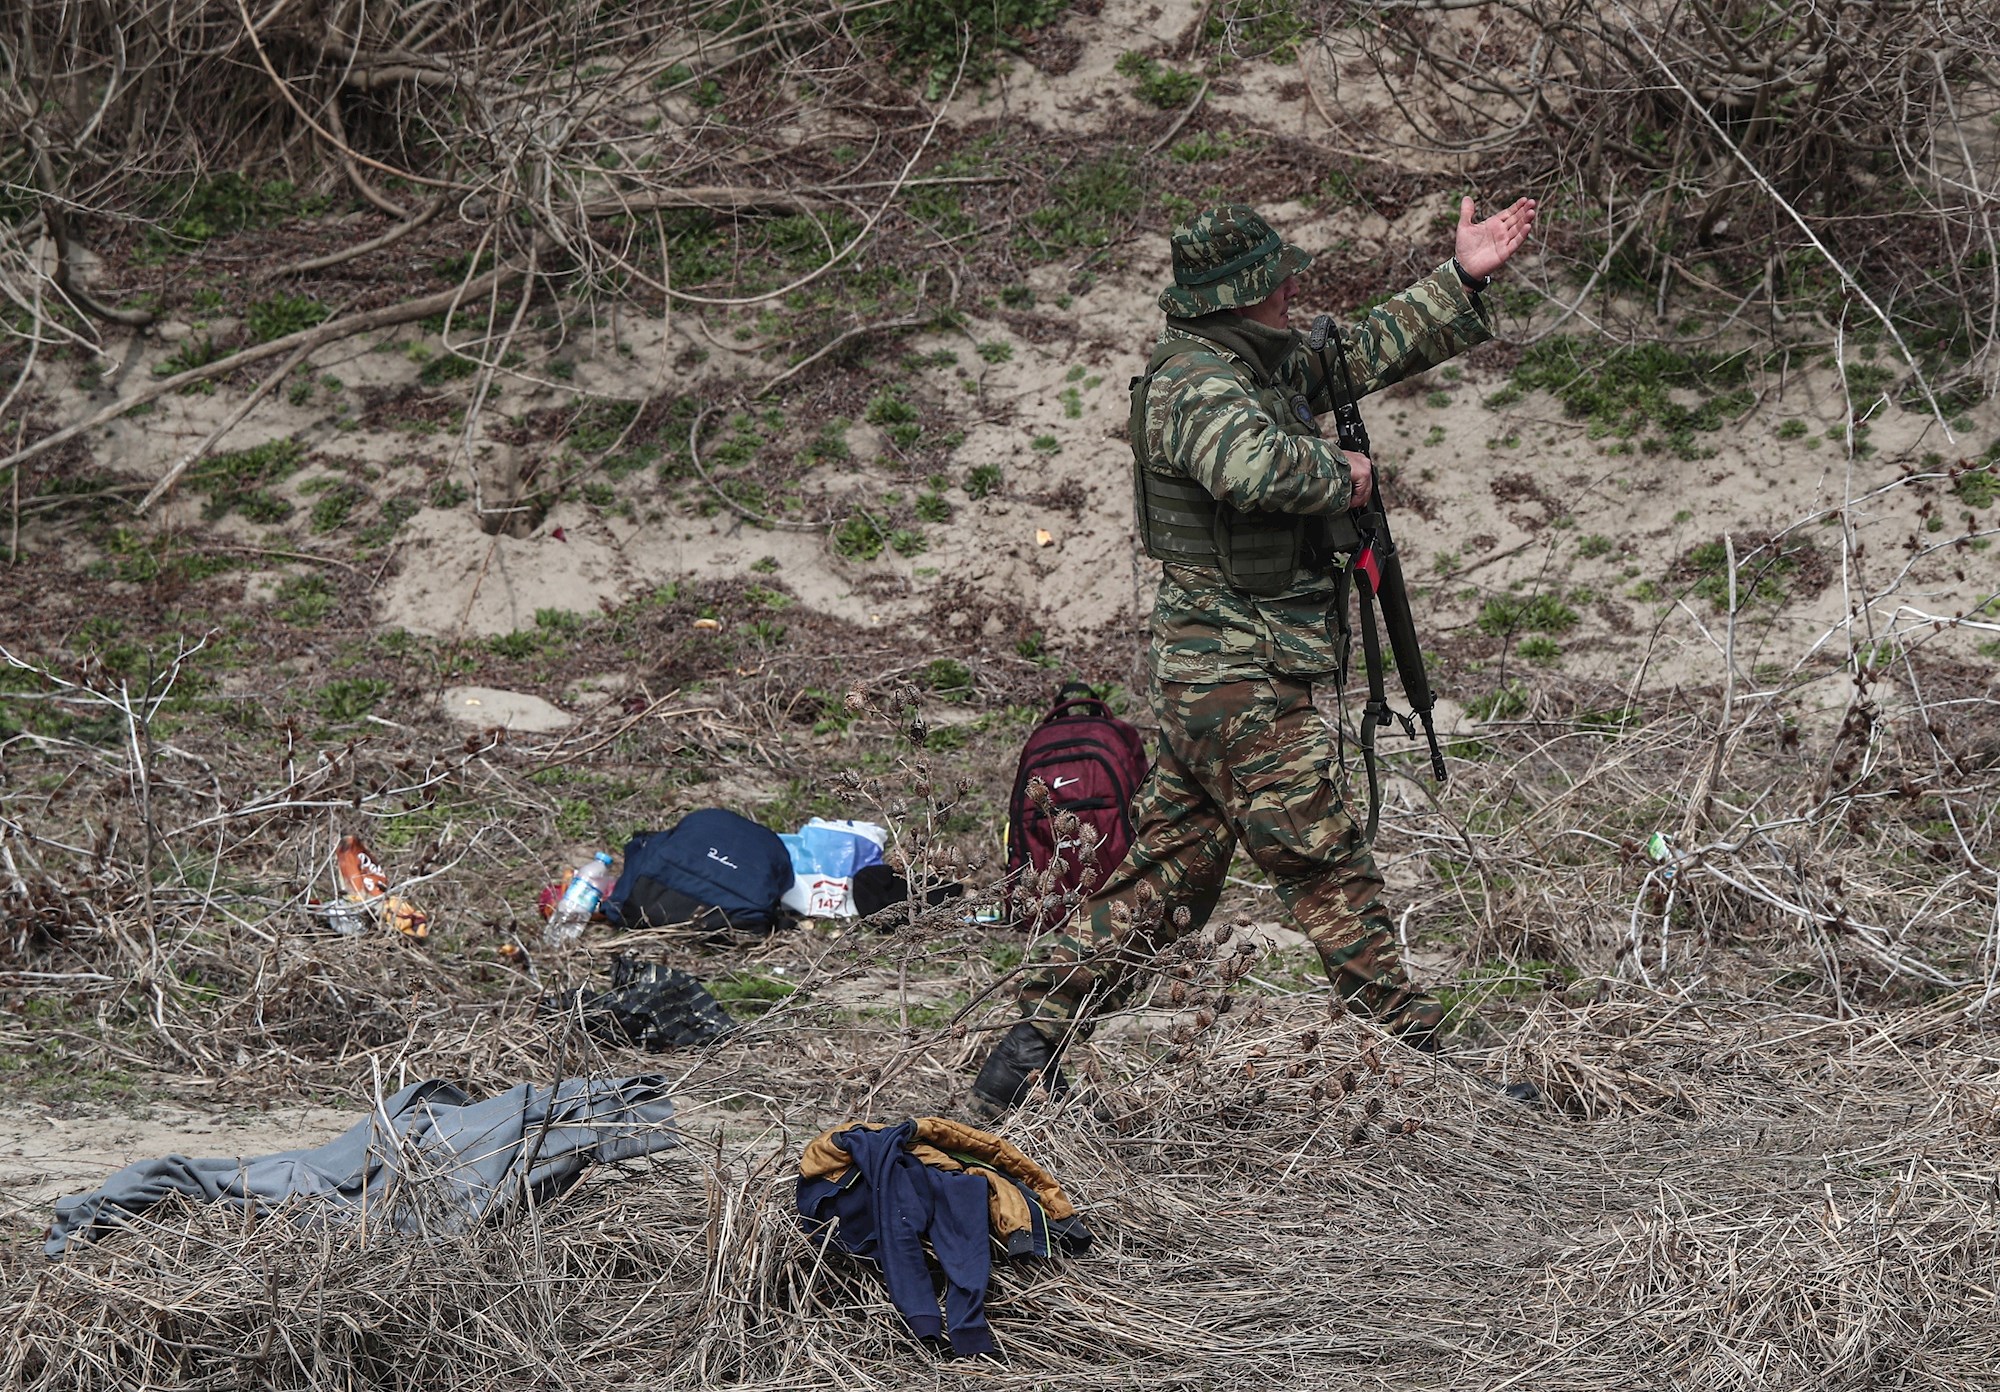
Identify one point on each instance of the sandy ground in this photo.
(448, 575)
(44, 1156)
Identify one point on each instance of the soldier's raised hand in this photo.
(1483, 247)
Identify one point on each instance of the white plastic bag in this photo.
(825, 855)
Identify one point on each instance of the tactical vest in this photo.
(1182, 523)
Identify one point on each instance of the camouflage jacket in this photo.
(1203, 419)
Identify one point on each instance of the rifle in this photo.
(1381, 572)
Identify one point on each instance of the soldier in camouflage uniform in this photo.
(1246, 503)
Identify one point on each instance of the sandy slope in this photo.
(1086, 578)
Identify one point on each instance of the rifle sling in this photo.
(1377, 710)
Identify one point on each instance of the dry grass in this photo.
(1766, 1155)
(1764, 1159)
(1812, 1209)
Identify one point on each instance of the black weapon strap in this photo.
(1377, 710)
(1336, 618)
(1354, 435)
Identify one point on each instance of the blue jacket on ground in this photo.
(884, 1209)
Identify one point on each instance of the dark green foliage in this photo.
(1629, 391)
(1504, 704)
(928, 36)
(193, 211)
(1545, 613)
(1613, 721)
(1204, 148)
(750, 993)
(803, 242)
(197, 351)
(139, 559)
(1156, 83)
(283, 314)
(336, 505)
(634, 460)
(394, 514)
(351, 698)
(889, 408)
(942, 206)
(830, 443)
(1867, 379)
(1270, 29)
(1085, 206)
(446, 367)
(240, 480)
(896, 415)
(448, 493)
(949, 679)
(1978, 487)
(599, 425)
(859, 538)
(305, 600)
(1762, 576)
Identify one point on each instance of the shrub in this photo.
(1542, 613)
(1157, 84)
(283, 314)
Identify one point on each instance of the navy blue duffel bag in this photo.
(712, 869)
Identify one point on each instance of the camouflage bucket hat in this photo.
(1227, 258)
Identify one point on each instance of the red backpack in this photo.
(1091, 762)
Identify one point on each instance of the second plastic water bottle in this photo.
(587, 888)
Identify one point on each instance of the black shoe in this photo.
(1023, 1057)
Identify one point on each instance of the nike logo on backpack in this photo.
(1062, 783)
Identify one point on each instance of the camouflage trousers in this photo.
(1239, 762)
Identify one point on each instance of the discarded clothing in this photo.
(653, 1006)
(879, 1192)
(430, 1158)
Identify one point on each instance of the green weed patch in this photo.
(1542, 613)
(1083, 208)
(240, 481)
(1629, 392)
(1156, 84)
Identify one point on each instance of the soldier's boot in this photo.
(1026, 1055)
(1368, 973)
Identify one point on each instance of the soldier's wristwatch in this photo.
(1471, 282)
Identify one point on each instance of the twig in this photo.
(214, 437)
(1846, 277)
(742, 510)
(307, 339)
(908, 321)
(360, 249)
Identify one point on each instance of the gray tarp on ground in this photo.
(431, 1158)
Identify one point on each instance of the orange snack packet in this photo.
(368, 883)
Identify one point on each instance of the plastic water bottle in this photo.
(587, 888)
